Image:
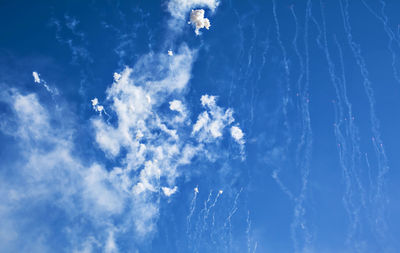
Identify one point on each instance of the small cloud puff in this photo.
(209, 101)
(237, 134)
(198, 20)
(176, 105)
(36, 77)
(38, 80)
(117, 76)
(98, 108)
(169, 191)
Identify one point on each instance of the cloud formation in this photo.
(148, 136)
(211, 123)
(49, 177)
(155, 142)
(198, 20)
(96, 106)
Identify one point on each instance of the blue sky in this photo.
(199, 126)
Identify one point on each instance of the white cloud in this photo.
(38, 80)
(149, 137)
(209, 101)
(98, 193)
(36, 77)
(169, 191)
(237, 134)
(151, 145)
(50, 176)
(198, 20)
(116, 76)
(176, 105)
(202, 121)
(97, 107)
(155, 144)
(211, 123)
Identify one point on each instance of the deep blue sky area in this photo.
(200, 126)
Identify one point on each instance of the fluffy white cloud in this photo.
(169, 191)
(179, 107)
(176, 105)
(198, 20)
(237, 134)
(98, 108)
(208, 101)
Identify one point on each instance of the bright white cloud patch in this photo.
(198, 20)
(209, 101)
(237, 134)
(177, 106)
(36, 77)
(98, 108)
(169, 191)
(116, 76)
